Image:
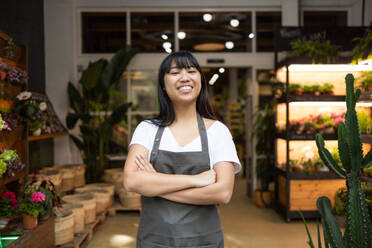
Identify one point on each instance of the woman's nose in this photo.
(184, 75)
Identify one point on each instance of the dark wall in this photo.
(23, 20)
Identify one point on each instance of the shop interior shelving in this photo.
(295, 190)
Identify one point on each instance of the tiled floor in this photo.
(245, 226)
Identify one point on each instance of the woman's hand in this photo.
(205, 178)
(143, 164)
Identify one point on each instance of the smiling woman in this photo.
(182, 162)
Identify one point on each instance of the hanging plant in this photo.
(363, 48)
(318, 51)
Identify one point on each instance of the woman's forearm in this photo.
(155, 184)
(211, 194)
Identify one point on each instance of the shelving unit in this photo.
(366, 138)
(299, 191)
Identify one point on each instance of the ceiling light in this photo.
(229, 44)
(164, 37)
(207, 17)
(168, 50)
(251, 36)
(209, 47)
(221, 70)
(234, 23)
(167, 45)
(181, 35)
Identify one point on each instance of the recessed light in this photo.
(181, 35)
(251, 36)
(221, 70)
(234, 23)
(167, 45)
(164, 37)
(207, 17)
(229, 44)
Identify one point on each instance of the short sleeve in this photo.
(224, 149)
(141, 135)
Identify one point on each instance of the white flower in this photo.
(42, 106)
(24, 95)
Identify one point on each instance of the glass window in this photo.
(144, 90)
(325, 18)
(152, 32)
(266, 22)
(215, 32)
(103, 32)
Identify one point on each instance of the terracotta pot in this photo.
(29, 222)
(267, 197)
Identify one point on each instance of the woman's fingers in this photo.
(139, 164)
(144, 164)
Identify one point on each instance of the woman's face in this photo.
(182, 85)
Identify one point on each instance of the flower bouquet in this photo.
(10, 163)
(31, 207)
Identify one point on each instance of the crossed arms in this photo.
(210, 187)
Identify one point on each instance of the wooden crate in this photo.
(303, 194)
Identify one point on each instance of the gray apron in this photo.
(166, 223)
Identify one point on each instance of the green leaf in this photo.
(327, 158)
(367, 160)
(319, 238)
(77, 141)
(310, 242)
(330, 226)
(91, 76)
(114, 70)
(71, 120)
(75, 99)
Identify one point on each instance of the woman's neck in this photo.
(185, 114)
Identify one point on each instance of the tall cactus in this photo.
(358, 228)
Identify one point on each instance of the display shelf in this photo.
(366, 96)
(46, 136)
(307, 61)
(326, 136)
(19, 175)
(366, 179)
(31, 238)
(305, 176)
(311, 98)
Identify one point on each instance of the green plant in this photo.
(358, 228)
(264, 130)
(326, 88)
(364, 81)
(295, 89)
(364, 46)
(319, 51)
(25, 107)
(12, 162)
(364, 122)
(96, 109)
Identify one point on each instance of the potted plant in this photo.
(326, 89)
(364, 81)
(10, 163)
(316, 89)
(52, 195)
(95, 109)
(31, 207)
(8, 208)
(295, 89)
(318, 51)
(264, 130)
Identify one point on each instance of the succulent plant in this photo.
(358, 228)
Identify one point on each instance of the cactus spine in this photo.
(358, 228)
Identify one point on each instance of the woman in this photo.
(182, 162)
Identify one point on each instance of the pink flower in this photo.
(37, 197)
(2, 75)
(322, 125)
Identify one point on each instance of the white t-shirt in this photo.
(220, 142)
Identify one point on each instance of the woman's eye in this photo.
(191, 71)
(174, 72)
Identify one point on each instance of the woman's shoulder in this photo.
(215, 125)
(147, 124)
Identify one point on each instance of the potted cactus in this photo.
(358, 227)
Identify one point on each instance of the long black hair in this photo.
(182, 59)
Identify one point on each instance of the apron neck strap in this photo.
(155, 147)
(202, 133)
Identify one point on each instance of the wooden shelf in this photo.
(366, 138)
(18, 175)
(46, 136)
(312, 98)
(366, 96)
(366, 179)
(316, 175)
(326, 136)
